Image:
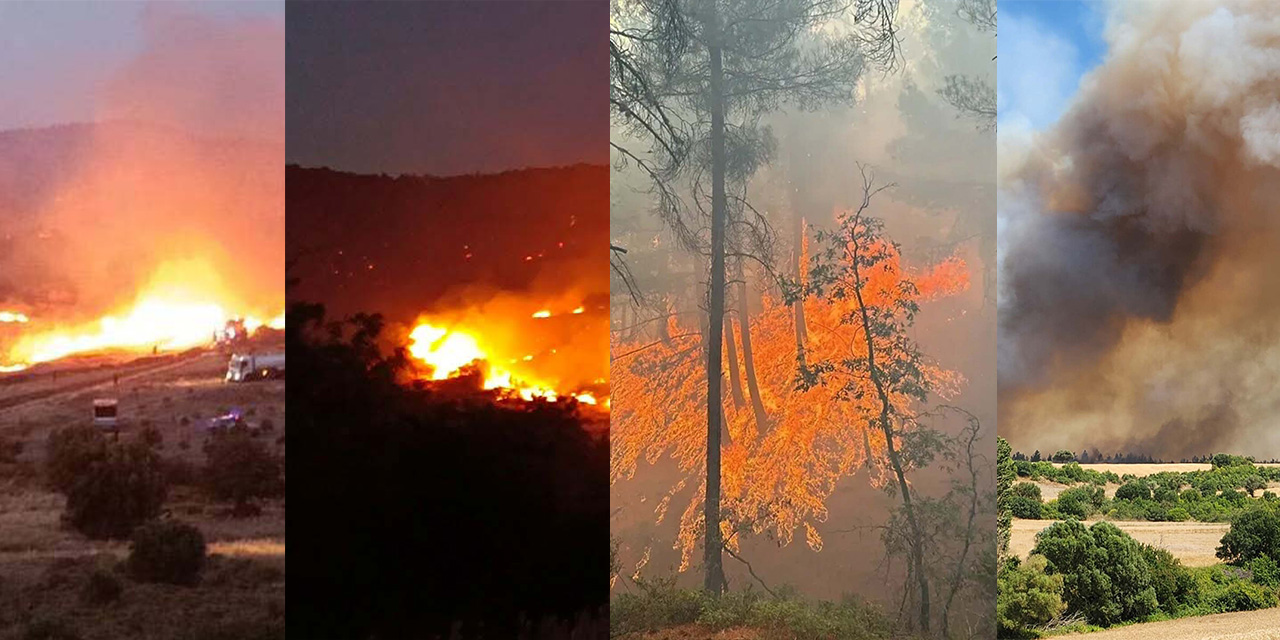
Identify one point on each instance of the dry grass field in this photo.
(1244, 625)
(1191, 542)
(44, 567)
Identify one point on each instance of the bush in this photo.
(103, 587)
(1265, 571)
(111, 496)
(1063, 456)
(1027, 490)
(660, 604)
(1081, 501)
(1024, 507)
(1242, 596)
(168, 551)
(50, 629)
(1175, 586)
(151, 437)
(1027, 596)
(9, 449)
(1105, 575)
(1134, 490)
(241, 469)
(71, 451)
(1253, 534)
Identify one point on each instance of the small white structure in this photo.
(106, 413)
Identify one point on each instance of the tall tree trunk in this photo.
(886, 425)
(797, 250)
(744, 326)
(735, 380)
(714, 582)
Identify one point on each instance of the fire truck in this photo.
(248, 367)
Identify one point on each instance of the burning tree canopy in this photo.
(778, 475)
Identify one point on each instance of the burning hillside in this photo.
(151, 228)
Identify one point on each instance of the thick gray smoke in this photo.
(1139, 276)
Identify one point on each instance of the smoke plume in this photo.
(1139, 276)
(178, 185)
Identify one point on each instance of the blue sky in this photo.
(54, 56)
(1044, 47)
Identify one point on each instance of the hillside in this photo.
(538, 229)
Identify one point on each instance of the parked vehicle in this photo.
(245, 368)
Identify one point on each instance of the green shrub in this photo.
(170, 552)
(1027, 490)
(1253, 534)
(70, 452)
(1027, 596)
(111, 496)
(1134, 490)
(658, 605)
(241, 469)
(1175, 586)
(1024, 507)
(1105, 574)
(1265, 571)
(1241, 595)
(103, 587)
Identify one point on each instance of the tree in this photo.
(1253, 534)
(974, 98)
(114, 493)
(1063, 456)
(1254, 483)
(725, 64)
(1028, 596)
(241, 469)
(886, 356)
(1105, 572)
(1035, 457)
(1005, 477)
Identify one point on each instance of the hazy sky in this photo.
(55, 56)
(447, 87)
(1044, 48)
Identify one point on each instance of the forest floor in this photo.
(1243, 625)
(45, 567)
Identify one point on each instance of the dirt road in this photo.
(1246, 625)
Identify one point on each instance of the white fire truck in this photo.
(248, 367)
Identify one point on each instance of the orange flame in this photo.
(182, 308)
(448, 351)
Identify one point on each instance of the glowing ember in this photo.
(542, 314)
(579, 310)
(11, 316)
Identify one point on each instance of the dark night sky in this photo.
(446, 88)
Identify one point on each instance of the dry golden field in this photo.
(1244, 625)
(44, 566)
(1191, 542)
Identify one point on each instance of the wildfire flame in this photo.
(13, 316)
(448, 351)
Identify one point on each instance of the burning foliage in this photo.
(1138, 264)
(780, 468)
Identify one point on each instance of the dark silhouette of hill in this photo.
(398, 244)
(418, 509)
